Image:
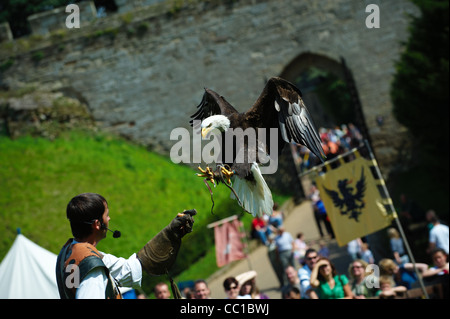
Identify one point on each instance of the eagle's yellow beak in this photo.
(205, 131)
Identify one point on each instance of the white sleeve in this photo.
(128, 272)
(432, 237)
(93, 285)
(305, 283)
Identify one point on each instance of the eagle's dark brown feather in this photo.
(279, 106)
(292, 118)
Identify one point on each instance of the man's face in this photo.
(201, 291)
(439, 259)
(311, 259)
(162, 292)
(291, 274)
(105, 218)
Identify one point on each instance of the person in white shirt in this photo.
(439, 234)
(83, 272)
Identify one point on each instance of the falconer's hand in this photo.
(160, 253)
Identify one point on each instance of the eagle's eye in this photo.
(209, 125)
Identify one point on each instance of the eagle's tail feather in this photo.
(256, 196)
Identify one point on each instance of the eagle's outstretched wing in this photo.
(212, 104)
(280, 105)
(360, 186)
(337, 201)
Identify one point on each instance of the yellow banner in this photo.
(352, 201)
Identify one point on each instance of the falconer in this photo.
(83, 272)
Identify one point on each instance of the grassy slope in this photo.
(38, 177)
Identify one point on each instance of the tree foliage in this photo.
(16, 12)
(420, 88)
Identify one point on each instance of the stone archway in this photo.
(304, 62)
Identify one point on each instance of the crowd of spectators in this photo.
(335, 141)
(306, 273)
(314, 275)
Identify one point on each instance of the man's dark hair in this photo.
(310, 250)
(82, 210)
(159, 285)
(438, 250)
(198, 281)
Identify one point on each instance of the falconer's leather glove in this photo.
(160, 253)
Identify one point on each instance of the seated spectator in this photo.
(201, 290)
(247, 281)
(276, 219)
(259, 230)
(329, 284)
(161, 291)
(141, 296)
(440, 264)
(360, 286)
(403, 275)
(231, 287)
(292, 293)
(293, 281)
(188, 293)
(388, 289)
(304, 274)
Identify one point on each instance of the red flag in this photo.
(229, 246)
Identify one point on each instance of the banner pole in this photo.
(399, 225)
(338, 158)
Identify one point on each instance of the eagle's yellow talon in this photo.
(208, 174)
(227, 174)
(201, 170)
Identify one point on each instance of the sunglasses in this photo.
(312, 258)
(232, 287)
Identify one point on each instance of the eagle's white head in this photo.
(220, 122)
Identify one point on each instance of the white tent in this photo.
(28, 272)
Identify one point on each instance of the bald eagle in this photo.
(280, 110)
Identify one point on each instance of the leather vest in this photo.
(74, 262)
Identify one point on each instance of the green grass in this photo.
(38, 177)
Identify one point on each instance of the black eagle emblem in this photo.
(352, 201)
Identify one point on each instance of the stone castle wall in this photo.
(142, 71)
